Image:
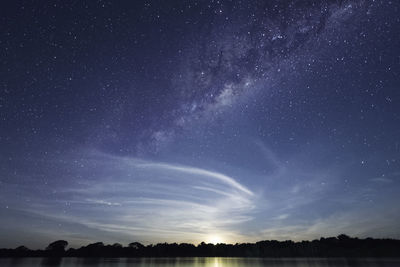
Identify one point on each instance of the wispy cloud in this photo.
(150, 201)
(360, 224)
(201, 172)
(381, 179)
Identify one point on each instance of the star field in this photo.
(180, 121)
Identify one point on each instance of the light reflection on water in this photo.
(196, 262)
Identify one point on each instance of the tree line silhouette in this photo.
(341, 246)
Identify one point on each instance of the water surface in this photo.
(196, 262)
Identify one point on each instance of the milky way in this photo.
(198, 121)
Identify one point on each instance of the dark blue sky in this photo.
(222, 121)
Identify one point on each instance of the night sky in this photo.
(190, 121)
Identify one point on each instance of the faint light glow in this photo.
(215, 239)
(217, 262)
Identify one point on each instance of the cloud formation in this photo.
(150, 201)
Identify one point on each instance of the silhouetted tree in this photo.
(136, 245)
(117, 245)
(57, 246)
(343, 237)
(22, 248)
(341, 246)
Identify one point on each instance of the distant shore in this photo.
(341, 246)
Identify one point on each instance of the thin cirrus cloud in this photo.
(200, 172)
(149, 201)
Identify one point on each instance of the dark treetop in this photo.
(341, 246)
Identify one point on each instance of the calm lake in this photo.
(197, 262)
